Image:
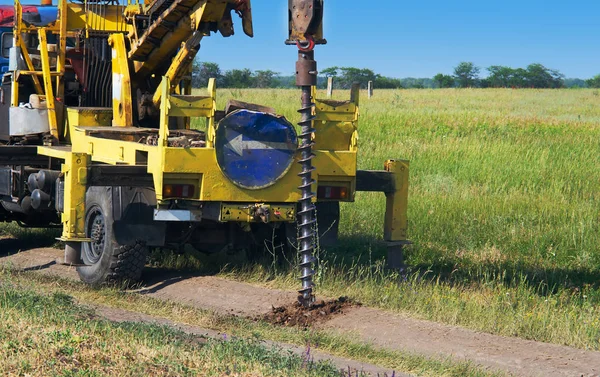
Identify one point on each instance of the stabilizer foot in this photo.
(72, 254)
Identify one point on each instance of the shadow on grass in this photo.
(31, 240)
(360, 253)
(543, 280)
(40, 267)
(167, 267)
(156, 279)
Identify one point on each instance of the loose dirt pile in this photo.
(297, 315)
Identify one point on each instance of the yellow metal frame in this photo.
(75, 170)
(47, 78)
(122, 101)
(201, 163)
(396, 220)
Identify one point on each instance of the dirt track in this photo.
(383, 329)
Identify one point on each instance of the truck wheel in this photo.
(107, 261)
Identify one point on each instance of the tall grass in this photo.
(503, 209)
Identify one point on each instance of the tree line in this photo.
(465, 75)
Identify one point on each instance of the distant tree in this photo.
(485, 83)
(539, 76)
(382, 82)
(238, 78)
(417, 83)
(203, 71)
(330, 72)
(443, 81)
(594, 82)
(519, 79)
(265, 79)
(500, 76)
(350, 75)
(466, 74)
(344, 77)
(575, 83)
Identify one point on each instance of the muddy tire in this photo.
(107, 261)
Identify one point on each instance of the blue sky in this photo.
(419, 38)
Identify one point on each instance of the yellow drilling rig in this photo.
(96, 106)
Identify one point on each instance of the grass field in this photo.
(50, 335)
(503, 211)
(46, 331)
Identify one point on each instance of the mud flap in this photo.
(328, 222)
(133, 211)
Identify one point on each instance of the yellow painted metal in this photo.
(75, 173)
(107, 150)
(61, 48)
(89, 116)
(74, 169)
(246, 213)
(336, 124)
(156, 160)
(52, 122)
(86, 117)
(14, 90)
(171, 43)
(17, 41)
(396, 220)
(109, 20)
(191, 106)
(164, 163)
(168, 163)
(163, 132)
(181, 64)
(27, 58)
(122, 102)
(216, 187)
(36, 73)
(211, 130)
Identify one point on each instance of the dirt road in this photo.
(381, 328)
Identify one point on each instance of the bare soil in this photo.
(295, 314)
(383, 329)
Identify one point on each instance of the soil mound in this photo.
(297, 315)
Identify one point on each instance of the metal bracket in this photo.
(305, 21)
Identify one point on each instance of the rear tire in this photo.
(107, 261)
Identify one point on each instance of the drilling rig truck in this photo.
(96, 137)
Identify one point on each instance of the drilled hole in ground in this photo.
(295, 315)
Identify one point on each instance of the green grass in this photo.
(26, 315)
(503, 210)
(50, 335)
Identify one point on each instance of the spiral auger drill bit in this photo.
(307, 74)
(306, 31)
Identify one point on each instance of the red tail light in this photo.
(332, 192)
(178, 191)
